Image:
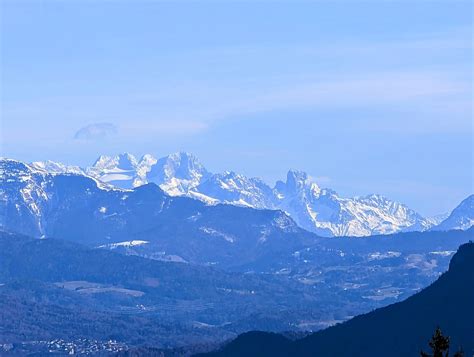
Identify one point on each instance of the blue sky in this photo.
(364, 96)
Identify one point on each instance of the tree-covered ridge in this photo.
(401, 329)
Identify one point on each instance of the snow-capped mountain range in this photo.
(316, 209)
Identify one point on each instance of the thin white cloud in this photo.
(426, 76)
(459, 38)
(373, 89)
(95, 131)
(436, 94)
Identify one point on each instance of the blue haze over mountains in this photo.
(320, 210)
(372, 89)
(386, 331)
(184, 267)
(355, 239)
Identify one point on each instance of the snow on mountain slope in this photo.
(177, 173)
(462, 217)
(77, 208)
(236, 189)
(23, 196)
(324, 212)
(143, 168)
(26, 192)
(427, 223)
(56, 167)
(319, 210)
(120, 170)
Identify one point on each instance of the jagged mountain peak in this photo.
(232, 175)
(125, 161)
(177, 173)
(229, 173)
(102, 160)
(298, 183)
(148, 158)
(119, 170)
(229, 177)
(375, 197)
(379, 200)
(143, 168)
(182, 165)
(183, 155)
(296, 176)
(182, 158)
(231, 187)
(319, 210)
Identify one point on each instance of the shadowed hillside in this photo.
(401, 329)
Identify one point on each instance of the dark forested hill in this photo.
(80, 209)
(58, 289)
(400, 329)
(212, 270)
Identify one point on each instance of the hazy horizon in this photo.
(365, 98)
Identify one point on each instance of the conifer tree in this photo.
(439, 345)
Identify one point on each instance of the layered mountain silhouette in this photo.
(214, 270)
(313, 208)
(149, 222)
(55, 289)
(401, 329)
(87, 211)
